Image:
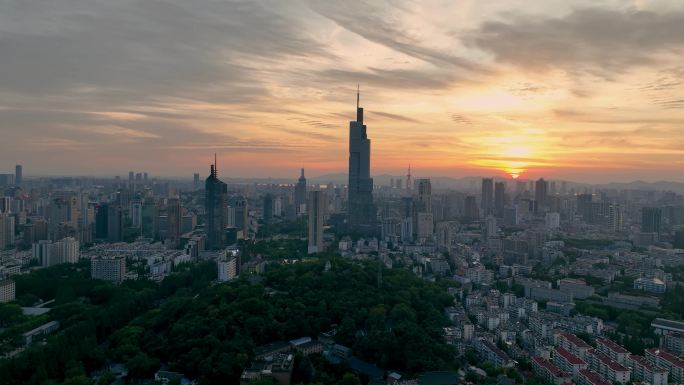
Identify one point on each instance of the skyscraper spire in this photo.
(357, 95)
(215, 165)
(408, 178)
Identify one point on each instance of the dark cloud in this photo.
(378, 21)
(597, 41)
(135, 50)
(401, 118)
(393, 78)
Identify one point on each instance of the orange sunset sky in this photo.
(578, 90)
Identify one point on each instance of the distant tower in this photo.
(361, 209)
(541, 192)
(408, 178)
(300, 195)
(18, 175)
(487, 202)
(196, 180)
(499, 198)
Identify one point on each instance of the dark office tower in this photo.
(215, 202)
(131, 174)
(174, 214)
(471, 213)
(300, 195)
(424, 196)
(499, 199)
(101, 220)
(487, 202)
(584, 206)
(241, 215)
(138, 177)
(114, 223)
(650, 219)
(196, 181)
(361, 210)
(268, 208)
(553, 190)
(150, 219)
(18, 174)
(145, 176)
(541, 192)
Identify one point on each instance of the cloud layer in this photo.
(463, 89)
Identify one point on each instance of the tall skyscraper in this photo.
(174, 215)
(18, 174)
(650, 219)
(215, 207)
(241, 212)
(541, 192)
(361, 209)
(131, 175)
(499, 199)
(114, 223)
(423, 221)
(196, 180)
(300, 195)
(470, 209)
(316, 208)
(268, 208)
(487, 203)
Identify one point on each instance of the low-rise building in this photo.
(609, 369)
(588, 377)
(550, 372)
(490, 352)
(613, 350)
(568, 361)
(651, 285)
(277, 367)
(573, 344)
(645, 371)
(108, 268)
(577, 287)
(664, 359)
(7, 290)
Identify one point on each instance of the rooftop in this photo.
(553, 369)
(674, 360)
(593, 378)
(573, 339)
(612, 345)
(570, 357)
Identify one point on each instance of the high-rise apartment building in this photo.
(174, 213)
(541, 192)
(487, 202)
(317, 211)
(499, 199)
(18, 174)
(651, 218)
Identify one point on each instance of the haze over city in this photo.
(584, 91)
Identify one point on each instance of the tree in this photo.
(350, 379)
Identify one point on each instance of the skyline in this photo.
(576, 92)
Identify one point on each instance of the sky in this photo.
(579, 90)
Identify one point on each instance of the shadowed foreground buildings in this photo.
(361, 209)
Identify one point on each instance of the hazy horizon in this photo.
(564, 90)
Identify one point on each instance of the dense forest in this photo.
(209, 331)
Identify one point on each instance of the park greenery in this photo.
(209, 331)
